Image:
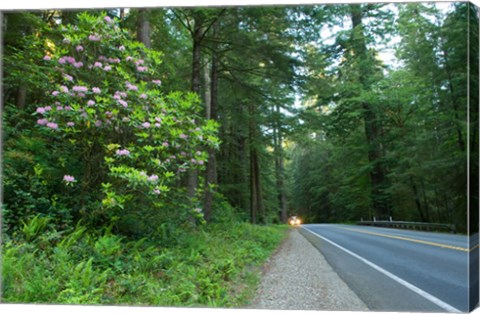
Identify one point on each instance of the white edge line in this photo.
(404, 283)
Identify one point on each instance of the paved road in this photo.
(397, 270)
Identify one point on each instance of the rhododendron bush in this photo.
(121, 144)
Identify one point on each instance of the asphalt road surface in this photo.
(397, 270)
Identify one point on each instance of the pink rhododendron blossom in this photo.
(96, 90)
(138, 62)
(42, 121)
(59, 108)
(146, 125)
(193, 161)
(123, 103)
(94, 38)
(108, 19)
(48, 108)
(158, 125)
(70, 60)
(78, 64)
(113, 60)
(142, 69)
(158, 82)
(156, 191)
(200, 162)
(165, 144)
(159, 120)
(55, 93)
(143, 96)
(97, 65)
(129, 58)
(98, 123)
(68, 77)
(183, 154)
(68, 178)
(64, 89)
(52, 125)
(47, 58)
(102, 58)
(40, 110)
(183, 136)
(80, 89)
(91, 103)
(153, 177)
(79, 48)
(122, 152)
(82, 95)
(68, 108)
(62, 60)
(107, 68)
(121, 48)
(70, 124)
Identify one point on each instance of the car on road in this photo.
(294, 221)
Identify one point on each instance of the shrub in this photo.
(108, 127)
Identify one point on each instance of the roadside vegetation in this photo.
(215, 265)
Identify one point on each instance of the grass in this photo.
(215, 265)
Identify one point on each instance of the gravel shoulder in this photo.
(297, 277)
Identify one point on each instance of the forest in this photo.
(159, 152)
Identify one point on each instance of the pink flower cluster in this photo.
(70, 60)
(68, 77)
(122, 152)
(131, 87)
(153, 178)
(68, 178)
(80, 89)
(94, 37)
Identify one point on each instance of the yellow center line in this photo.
(445, 246)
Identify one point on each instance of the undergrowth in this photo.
(215, 265)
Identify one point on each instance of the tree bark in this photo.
(279, 167)
(211, 113)
(197, 36)
(371, 121)
(143, 28)
(256, 197)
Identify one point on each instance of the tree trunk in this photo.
(417, 199)
(21, 99)
(143, 28)
(256, 198)
(211, 113)
(197, 36)
(279, 167)
(253, 190)
(371, 121)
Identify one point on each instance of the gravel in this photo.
(297, 277)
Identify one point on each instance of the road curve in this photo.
(397, 270)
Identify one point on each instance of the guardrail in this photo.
(409, 225)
